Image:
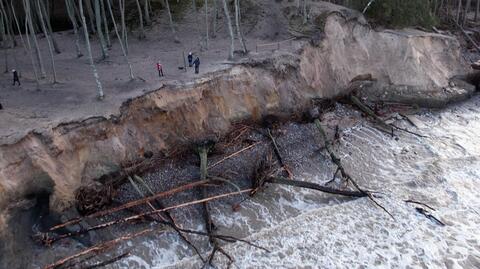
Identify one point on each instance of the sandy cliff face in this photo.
(65, 157)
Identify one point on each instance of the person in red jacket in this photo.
(160, 69)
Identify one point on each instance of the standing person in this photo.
(190, 59)
(197, 65)
(15, 77)
(160, 69)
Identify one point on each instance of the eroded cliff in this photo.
(408, 66)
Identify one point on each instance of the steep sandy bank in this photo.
(74, 153)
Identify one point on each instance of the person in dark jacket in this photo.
(190, 59)
(197, 65)
(15, 77)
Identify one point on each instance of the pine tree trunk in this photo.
(8, 24)
(121, 3)
(29, 18)
(305, 16)
(467, 8)
(91, 16)
(230, 30)
(477, 9)
(4, 39)
(214, 19)
(105, 24)
(146, 8)
(49, 27)
(15, 20)
(89, 52)
(71, 15)
(98, 22)
(459, 10)
(141, 35)
(49, 40)
(237, 22)
(120, 39)
(194, 5)
(32, 58)
(206, 23)
(172, 26)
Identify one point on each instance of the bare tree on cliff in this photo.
(71, 15)
(146, 8)
(91, 17)
(230, 30)
(214, 19)
(29, 47)
(48, 38)
(98, 22)
(121, 4)
(89, 51)
(465, 15)
(120, 39)
(30, 31)
(172, 26)
(49, 27)
(141, 35)
(206, 22)
(237, 22)
(105, 24)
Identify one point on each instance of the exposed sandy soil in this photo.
(25, 108)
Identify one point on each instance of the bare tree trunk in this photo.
(467, 8)
(105, 24)
(215, 19)
(89, 51)
(71, 15)
(121, 3)
(91, 16)
(459, 10)
(172, 26)
(305, 16)
(98, 22)
(141, 35)
(15, 20)
(206, 22)
(34, 66)
(194, 5)
(120, 39)
(477, 9)
(28, 17)
(49, 27)
(237, 22)
(146, 8)
(3, 37)
(49, 40)
(230, 30)
(8, 24)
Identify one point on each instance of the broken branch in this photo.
(131, 204)
(97, 248)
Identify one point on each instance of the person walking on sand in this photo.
(190, 59)
(160, 69)
(197, 65)
(15, 77)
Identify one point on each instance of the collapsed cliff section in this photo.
(404, 66)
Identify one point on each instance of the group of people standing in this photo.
(195, 62)
(191, 63)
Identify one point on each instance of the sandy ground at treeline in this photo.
(27, 108)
